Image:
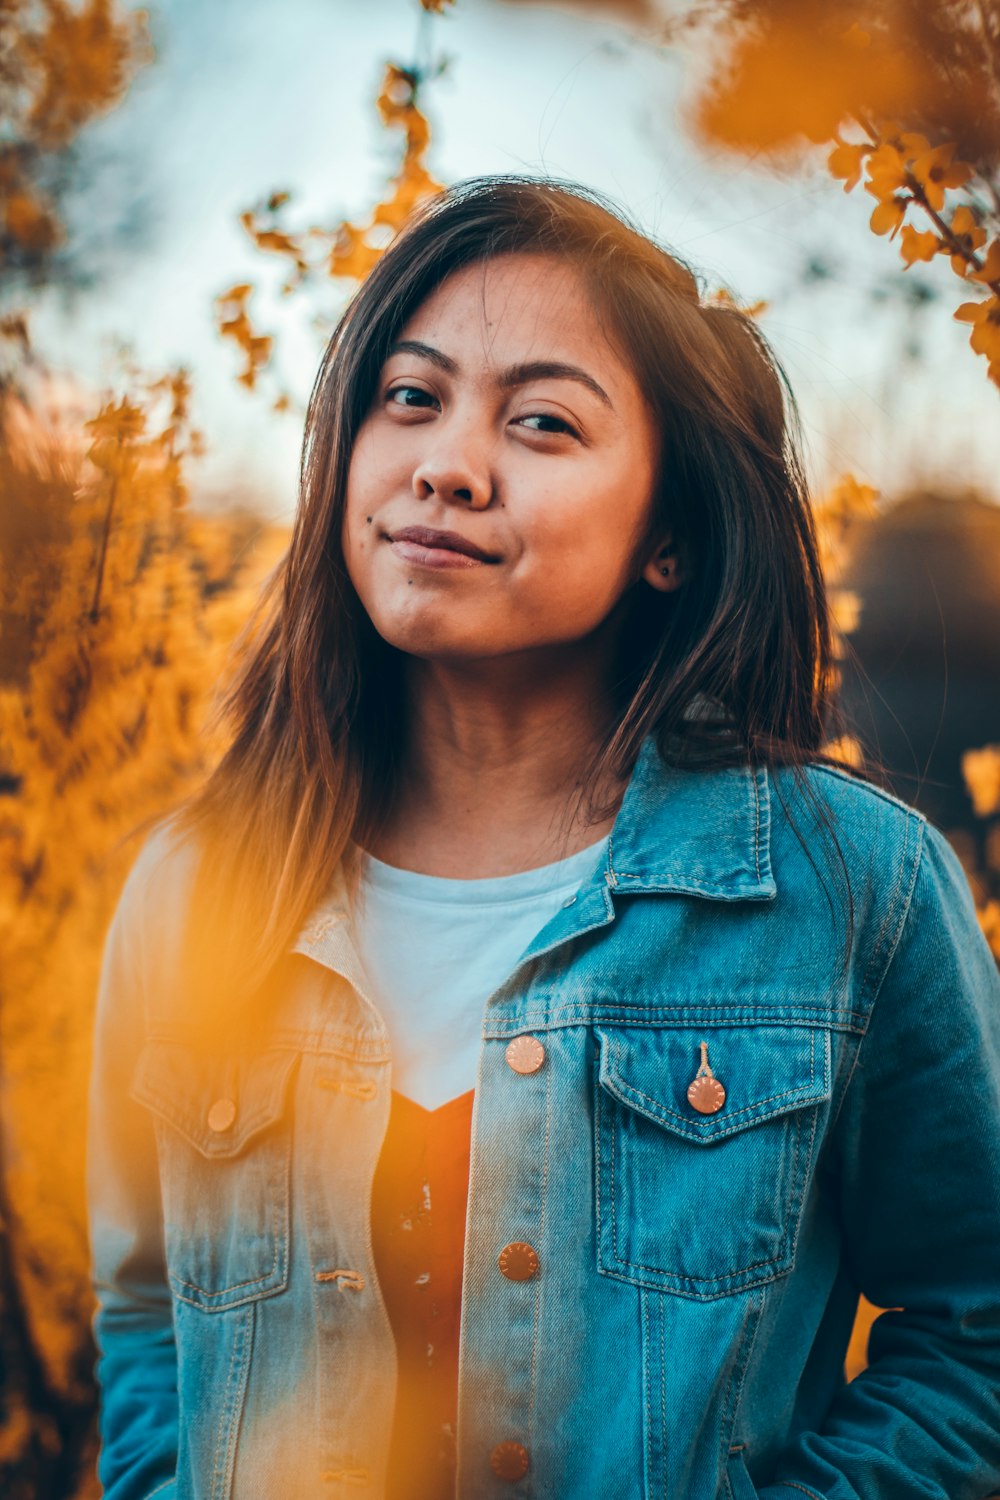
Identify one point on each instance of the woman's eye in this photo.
(407, 391)
(545, 416)
(416, 398)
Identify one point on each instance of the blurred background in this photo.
(189, 196)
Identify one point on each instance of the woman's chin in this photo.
(433, 638)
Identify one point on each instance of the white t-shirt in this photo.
(435, 949)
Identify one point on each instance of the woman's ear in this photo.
(663, 571)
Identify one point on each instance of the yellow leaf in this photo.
(847, 161)
(935, 171)
(914, 246)
(967, 230)
(991, 265)
(888, 217)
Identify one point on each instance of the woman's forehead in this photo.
(513, 306)
(505, 283)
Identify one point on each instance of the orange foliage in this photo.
(131, 603)
(350, 249)
(797, 71)
(908, 96)
(62, 66)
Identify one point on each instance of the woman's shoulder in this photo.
(154, 898)
(850, 793)
(867, 820)
(902, 869)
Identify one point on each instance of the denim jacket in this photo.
(698, 1272)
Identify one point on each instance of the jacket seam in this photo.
(869, 786)
(744, 1354)
(892, 910)
(904, 914)
(541, 1239)
(892, 949)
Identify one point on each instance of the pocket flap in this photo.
(765, 1071)
(218, 1103)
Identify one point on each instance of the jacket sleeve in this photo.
(919, 1148)
(133, 1327)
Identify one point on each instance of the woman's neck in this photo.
(496, 765)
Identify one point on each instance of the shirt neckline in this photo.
(525, 885)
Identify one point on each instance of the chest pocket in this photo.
(705, 1204)
(224, 1147)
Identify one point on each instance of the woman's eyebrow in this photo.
(534, 369)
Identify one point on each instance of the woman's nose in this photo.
(456, 476)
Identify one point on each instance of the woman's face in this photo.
(502, 479)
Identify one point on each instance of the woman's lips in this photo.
(438, 549)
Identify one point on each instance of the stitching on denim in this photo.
(678, 880)
(663, 1391)
(556, 1014)
(905, 910)
(660, 1271)
(651, 1315)
(675, 1285)
(795, 1205)
(225, 1448)
(237, 1286)
(218, 1479)
(793, 1485)
(756, 825)
(161, 1487)
(151, 1093)
(891, 911)
(598, 1159)
(744, 1353)
(541, 1239)
(364, 1088)
(903, 914)
(212, 1301)
(875, 791)
(281, 1039)
(236, 1417)
(736, 1114)
(613, 1132)
(836, 1103)
(647, 1357)
(611, 860)
(672, 1277)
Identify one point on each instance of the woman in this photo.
(513, 1063)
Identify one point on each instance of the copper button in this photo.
(525, 1054)
(221, 1115)
(518, 1262)
(706, 1093)
(509, 1460)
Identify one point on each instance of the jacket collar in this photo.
(702, 832)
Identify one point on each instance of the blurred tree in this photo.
(347, 251)
(60, 66)
(125, 609)
(919, 680)
(907, 94)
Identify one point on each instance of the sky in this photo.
(246, 98)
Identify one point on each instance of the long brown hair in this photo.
(733, 667)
